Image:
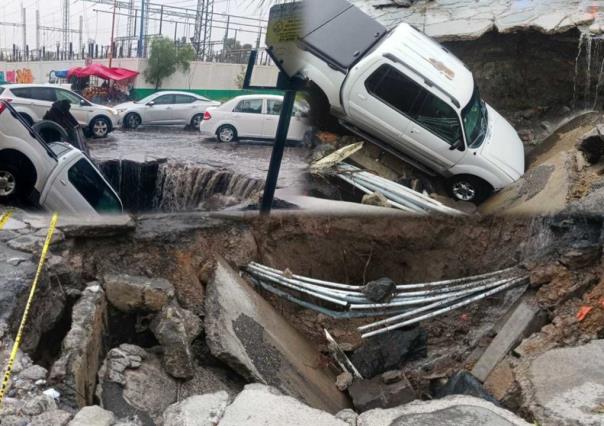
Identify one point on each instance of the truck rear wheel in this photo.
(13, 185)
(469, 188)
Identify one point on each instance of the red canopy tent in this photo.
(101, 71)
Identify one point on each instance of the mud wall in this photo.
(524, 70)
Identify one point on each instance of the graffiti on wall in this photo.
(22, 76)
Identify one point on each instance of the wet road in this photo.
(250, 158)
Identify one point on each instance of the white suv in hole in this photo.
(32, 101)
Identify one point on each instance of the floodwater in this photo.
(250, 158)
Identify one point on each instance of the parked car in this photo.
(403, 91)
(252, 117)
(56, 176)
(32, 101)
(165, 108)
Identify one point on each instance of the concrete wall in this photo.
(202, 75)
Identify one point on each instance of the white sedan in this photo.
(252, 117)
(165, 108)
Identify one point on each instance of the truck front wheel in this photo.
(469, 188)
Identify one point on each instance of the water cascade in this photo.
(161, 186)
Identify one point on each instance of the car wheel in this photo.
(196, 121)
(132, 121)
(226, 133)
(12, 185)
(100, 127)
(469, 188)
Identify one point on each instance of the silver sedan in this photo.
(165, 108)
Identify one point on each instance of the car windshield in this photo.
(93, 188)
(475, 120)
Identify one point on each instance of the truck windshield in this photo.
(475, 120)
(93, 188)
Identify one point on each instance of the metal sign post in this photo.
(289, 86)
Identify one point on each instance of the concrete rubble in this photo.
(566, 385)
(120, 349)
(463, 20)
(244, 331)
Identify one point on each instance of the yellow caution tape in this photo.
(13, 354)
(5, 217)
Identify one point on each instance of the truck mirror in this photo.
(457, 145)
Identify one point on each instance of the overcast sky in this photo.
(97, 25)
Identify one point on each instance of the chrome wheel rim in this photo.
(196, 121)
(8, 183)
(226, 134)
(464, 191)
(100, 128)
(133, 121)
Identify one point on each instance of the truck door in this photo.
(436, 127)
(403, 113)
(380, 101)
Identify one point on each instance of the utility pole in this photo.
(66, 30)
(24, 17)
(112, 35)
(38, 34)
(80, 33)
(141, 38)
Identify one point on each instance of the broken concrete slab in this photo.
(175, 328)
(450, 411)
(131, 293)
(259, 404)
(464, 383)
(565, 386)
(374, 393)
(524, 320)
(246, 332)
(92, 416)
(197, 410)
(51, 418)
(82, 350)
(132, 382)
(388, 351)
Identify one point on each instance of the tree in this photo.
(165, 59)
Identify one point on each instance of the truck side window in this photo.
(437, 116)
(250, 106)
(393, 88)
(93, 188)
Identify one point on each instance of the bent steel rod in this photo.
(446, 309)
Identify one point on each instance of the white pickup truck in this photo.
(400, 90)
(56, 176)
